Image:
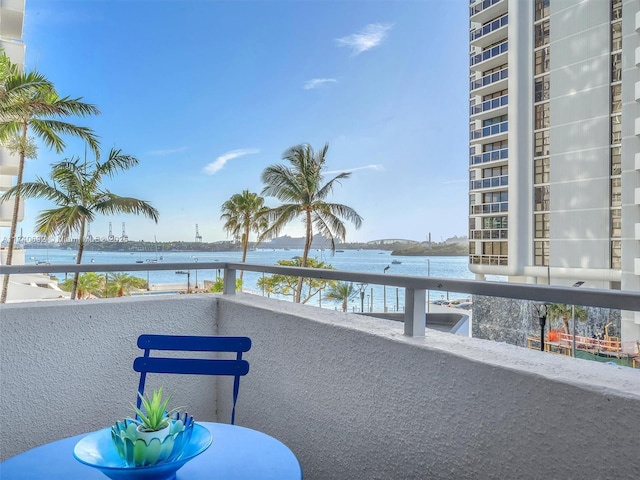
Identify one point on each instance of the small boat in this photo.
(139, 261)
(396, 262)
(339, 251)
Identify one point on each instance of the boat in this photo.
(396, 262)
(339, 251)
(139, 261)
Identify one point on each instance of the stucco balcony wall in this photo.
(352, 396)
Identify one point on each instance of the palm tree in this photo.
(89, 283)
(341, 292)
(243, 213)
(79, 195)
(563, 312)
(29, 104)
(301, 188)
(121, 284)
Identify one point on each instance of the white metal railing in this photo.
(415, 286)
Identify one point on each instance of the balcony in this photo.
(487, 183)
(6, 212)
(498, 132)
(9, 162)
(492, 156)
(489, 32)
(494, 81)
(11, 18)
(490, 58)
(352, 396)
(483, 11)
(489, 108)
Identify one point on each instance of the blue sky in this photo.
(208, 93)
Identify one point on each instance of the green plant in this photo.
(155, 416)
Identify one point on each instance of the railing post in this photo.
(229, 281)
(415, 320)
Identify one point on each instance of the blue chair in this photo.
(194, 366)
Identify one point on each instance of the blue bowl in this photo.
(98, 450)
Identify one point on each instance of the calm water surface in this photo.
(368, 261)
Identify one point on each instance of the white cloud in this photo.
(220, 162)
(167, 151)
(318, 82)
(376, 167)
(370, 36)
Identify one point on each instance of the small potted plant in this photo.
(155, 420)
(156, 435)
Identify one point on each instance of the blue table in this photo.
(237, 453)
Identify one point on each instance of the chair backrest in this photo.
(195, 366)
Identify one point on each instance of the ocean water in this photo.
(367, 261)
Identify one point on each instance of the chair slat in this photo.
(194, 343)
(194, 366)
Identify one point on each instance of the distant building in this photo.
(554, 161)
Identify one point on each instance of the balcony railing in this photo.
(494, 129)
(489, 53)
(474, 9)
(415, 287)
(502, 180)
(489, 105)
(491, 156)
(489, 79)
(488, 28)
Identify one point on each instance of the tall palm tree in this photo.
(341, 292)
(243, 213)
(29, 105)
(79, 195)
(300, 186)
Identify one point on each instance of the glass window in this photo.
(541, 253)
(495, 120)
(616, 36)
(541, 199)
(541, 61)
(616, 98)
(495, 146)
(541, 221)
(616, 129)
(616, 192)
(541, 89)
(616, 67)
(616, 223)
(542, 34)
(616, 161)
(616, 254)
(616, 9)
(541, 9)
(541, 116)
(541, 144)
(495, 94)
(541, 170)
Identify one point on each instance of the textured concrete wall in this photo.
(352, 396)
(66, 367)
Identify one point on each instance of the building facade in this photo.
(11, 22)
(554, 157)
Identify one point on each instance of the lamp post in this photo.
(541, 310)
(573, 319)
(196, 287)
(361, 288)
(428, 275)
(384, 294)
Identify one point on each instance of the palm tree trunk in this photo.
(305, 254)
(245, 247)
(14, 217)
(565, 321)
(78, 261)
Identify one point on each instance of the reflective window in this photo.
(616, 161)
(616, 9)
(541, 198)
(495, 146)
(541, 144)
(541, 35)
(541, 89)
(541, 253)
(494, 120)
(616, 254)
(541, 9)
(541, 170)
(541, 116)
(616, 129)
(495, 248)
(497, 94)
(616, 98)
(616, 192)
(616, 36)
(541, 61)
(541, 221)
(616, 223)
(616, 67)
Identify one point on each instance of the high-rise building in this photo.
(11, 21)
(554, 148)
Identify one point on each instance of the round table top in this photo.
(237, 453)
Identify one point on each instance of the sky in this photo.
(207, 94)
